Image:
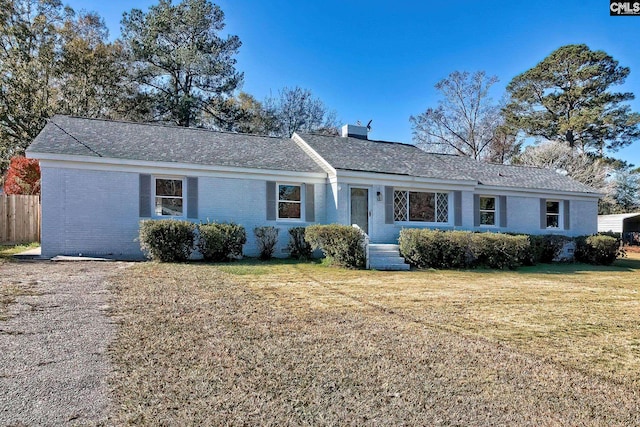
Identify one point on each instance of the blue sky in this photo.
(380, 60)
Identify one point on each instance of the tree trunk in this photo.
(570, 138)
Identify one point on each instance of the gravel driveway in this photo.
(53, 361)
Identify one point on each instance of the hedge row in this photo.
(425, 248)
(174, 240)
(170, 240)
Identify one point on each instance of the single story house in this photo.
(100, 178)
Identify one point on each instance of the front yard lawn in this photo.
(288, 343)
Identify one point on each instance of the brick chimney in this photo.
(354, 131)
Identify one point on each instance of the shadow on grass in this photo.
(254, 266)
(620, 265)
(628, 264)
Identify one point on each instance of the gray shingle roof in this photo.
(404, 159)
(384, 157)
(148, 142)
(136, 141)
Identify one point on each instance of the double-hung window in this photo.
(420, 206)
(289, 201)
(169, 200)
(553, 214)
(487, 210)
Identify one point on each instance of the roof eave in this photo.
(351, 173)
(109, 161)
(502, 188)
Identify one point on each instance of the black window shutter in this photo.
(567, 215)
(145, 196)
(543, 213)
(388, 205)
(192, 197)
(476, 210)
(457, 208)
(503, 211)
(271, 200)
(309, 203)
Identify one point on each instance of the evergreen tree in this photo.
(567, 97)
(183, 66)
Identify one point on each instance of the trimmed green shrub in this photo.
(425, 248)
(267, 237)
(343, 245)
(167, 240)
(494, 250)
(221, 241)
(298, 246)
(598, 250)
(545, 248)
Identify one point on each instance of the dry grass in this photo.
(8, 251)
(302, 344)
(9, 292)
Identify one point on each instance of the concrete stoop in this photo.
(386, 257)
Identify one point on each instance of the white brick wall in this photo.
(584, 217)
(331, 207)
(244, 202)
(523, 216)
(89, 212)
(96, 212)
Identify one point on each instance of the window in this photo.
(420, 206)
(168, 197)
(553, 214)
(289, 201)
(487, 210)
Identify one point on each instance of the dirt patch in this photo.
(54, 333)
(632, 249)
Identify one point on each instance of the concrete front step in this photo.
(384, 252)
(384, 246)
(384, 249)
(386, 257)
(390, 267)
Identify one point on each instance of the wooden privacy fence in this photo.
(19, 219)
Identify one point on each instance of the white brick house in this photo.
(100, 178)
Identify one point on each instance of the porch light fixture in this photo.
(379, 196)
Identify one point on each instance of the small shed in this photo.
(628, 225)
